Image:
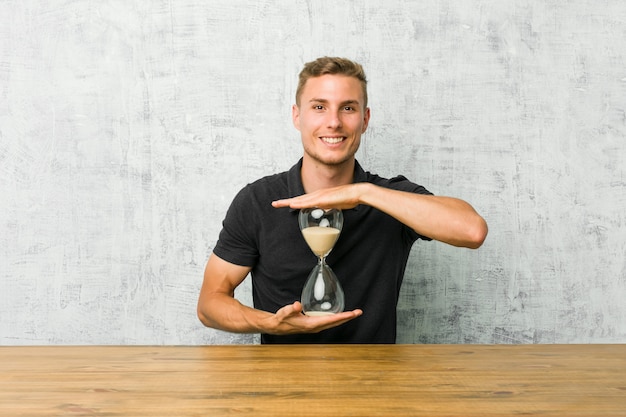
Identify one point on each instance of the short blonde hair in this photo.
(331, 65)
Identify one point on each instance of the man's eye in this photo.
(318, 107)
(348, 108)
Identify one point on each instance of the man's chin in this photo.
(334, 162)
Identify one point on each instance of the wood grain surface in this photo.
(359, 380)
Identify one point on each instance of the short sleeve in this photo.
(237, 241)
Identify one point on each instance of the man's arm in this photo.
(218, 308)
(446, 219)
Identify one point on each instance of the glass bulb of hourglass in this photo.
(322, 293)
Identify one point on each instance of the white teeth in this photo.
(332, 140)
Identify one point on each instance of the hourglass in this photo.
(322, 294)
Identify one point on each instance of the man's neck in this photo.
(316, 176)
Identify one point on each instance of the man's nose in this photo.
(334, 120)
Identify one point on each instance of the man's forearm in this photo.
(223, 312)
(446, 219)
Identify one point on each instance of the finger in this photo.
(335, 319)
(297, 307)
(338, 319)
(281, 203)
(290, 310)
(295, 202)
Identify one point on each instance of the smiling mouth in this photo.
(332, 140)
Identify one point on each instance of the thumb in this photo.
(290, 310)
(297, 307)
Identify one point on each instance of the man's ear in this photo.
(366, 119)
(295, 116)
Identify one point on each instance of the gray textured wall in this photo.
(126, 127)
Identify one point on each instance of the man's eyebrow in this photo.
(343, 103)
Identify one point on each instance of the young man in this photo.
(382, 220)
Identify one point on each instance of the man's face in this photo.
(331, 118)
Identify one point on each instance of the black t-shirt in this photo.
(369, 257)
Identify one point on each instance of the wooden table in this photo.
(392, 380)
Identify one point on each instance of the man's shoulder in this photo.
(267, 188)
(279, 185)
(398, 182)
(269, 184)
(271, 179)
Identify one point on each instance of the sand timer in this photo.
(322, 294)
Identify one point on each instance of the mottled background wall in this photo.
(126, 127)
